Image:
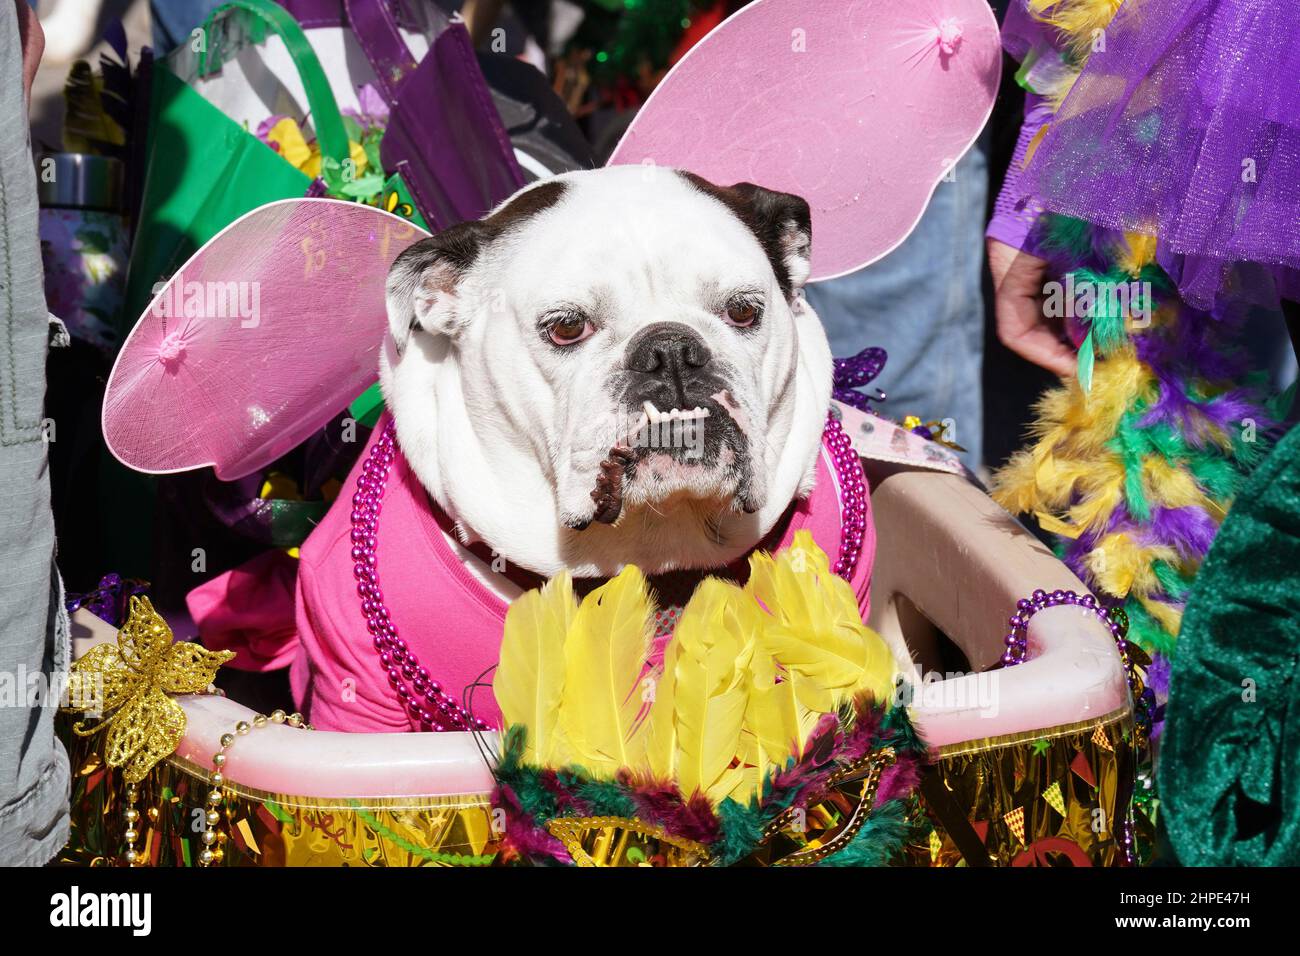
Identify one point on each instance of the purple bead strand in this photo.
(1017, 644)
(422, 696)
(1017, 639)
(853, 496)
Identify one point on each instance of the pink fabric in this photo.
(451, 622)
(245, 303)
(860, 108)
(879, 439)
(250, 611)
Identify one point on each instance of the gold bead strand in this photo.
(217, 778)
(215, 798)
(131, 816)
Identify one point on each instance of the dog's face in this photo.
(615, 366)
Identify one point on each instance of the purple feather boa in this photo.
(1189, 531)
(1202, 394)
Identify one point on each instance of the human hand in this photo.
(1022, 324)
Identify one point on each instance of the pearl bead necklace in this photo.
(216, 797)
(131, 855)
(423, 697)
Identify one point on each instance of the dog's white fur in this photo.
(507, 431)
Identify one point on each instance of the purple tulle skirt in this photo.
(1187, 124)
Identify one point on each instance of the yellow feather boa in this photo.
(748, 673)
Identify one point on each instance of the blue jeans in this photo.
(923, 303)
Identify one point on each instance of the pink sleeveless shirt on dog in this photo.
(447, 617)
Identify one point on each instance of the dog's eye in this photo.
(742, 313)
(569, 329)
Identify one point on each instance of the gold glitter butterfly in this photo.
(131, 683)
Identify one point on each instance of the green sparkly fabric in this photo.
(1229, 766)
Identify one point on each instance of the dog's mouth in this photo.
(653, 416)
(701, 451)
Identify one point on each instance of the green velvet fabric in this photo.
(1229, 765)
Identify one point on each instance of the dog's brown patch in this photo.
(781, 222)
(448, 254)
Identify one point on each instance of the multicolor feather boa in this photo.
(1136, 462)
(532, 796)
(763, 731)
(1137, 470)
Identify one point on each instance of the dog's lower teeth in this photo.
(657, 417)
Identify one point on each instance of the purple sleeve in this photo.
(1021, 31)
(1014, 214)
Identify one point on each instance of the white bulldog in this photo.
(615, 366)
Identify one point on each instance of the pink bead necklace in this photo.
(423, 697)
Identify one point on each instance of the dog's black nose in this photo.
(667, 350)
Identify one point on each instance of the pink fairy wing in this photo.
(859, 107)
(264, 335)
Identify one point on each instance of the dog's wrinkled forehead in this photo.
(596, 220)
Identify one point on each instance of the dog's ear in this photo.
(421, 288)
(782, 223)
